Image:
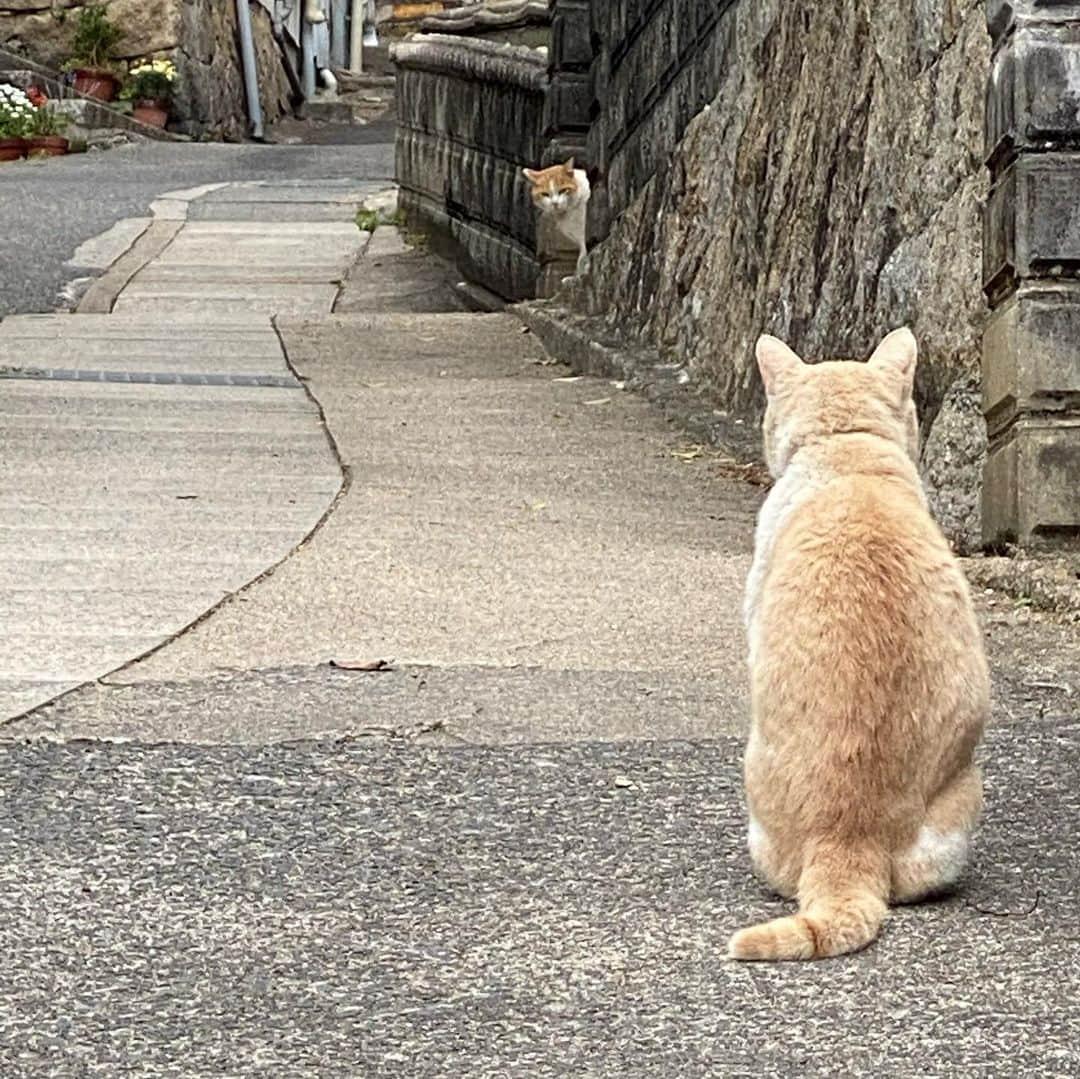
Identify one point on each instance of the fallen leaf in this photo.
(599, 401)
(536, 505)
(369, 665)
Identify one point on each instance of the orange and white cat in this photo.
(869, 683)
(561, 192)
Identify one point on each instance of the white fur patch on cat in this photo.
(947, 852)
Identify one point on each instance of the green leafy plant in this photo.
(47, 121)
(150, 80)
(94, 39)
(370, 220)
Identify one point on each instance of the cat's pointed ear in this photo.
(569, 166)
(897, 355)
(774, 360)
(530, 175)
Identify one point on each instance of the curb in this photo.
(101, 295)
(169, 215)
(1048, 583)
(587, 346)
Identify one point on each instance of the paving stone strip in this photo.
(169, 398)
(156, 378)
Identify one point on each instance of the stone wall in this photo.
(470, 116)
(211, 95)
(811, 170)
(655, 67)
(200, 37)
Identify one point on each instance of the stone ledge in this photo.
(13, 61)
(1030, 484)
(484, 254)
(466, 58)
(1029, 228)
(1003, 16)
(1034, 96)
(498, 15)
(1050, 584)
(1029, 355)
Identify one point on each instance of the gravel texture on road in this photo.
(396, 910)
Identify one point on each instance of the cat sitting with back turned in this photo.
(869, 684)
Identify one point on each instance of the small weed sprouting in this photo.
(367, 220)
(370, 220)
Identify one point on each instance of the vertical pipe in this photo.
(337, 33)
(356, 37)
(251, 72)
(370, 36)
(307, 76)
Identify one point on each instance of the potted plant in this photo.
(44, 132)
(16, 112)
(149, 87)
(91, 60)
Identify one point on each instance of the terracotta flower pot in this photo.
(46, 146)
(102, 85)
(12, 148)
(152, 112)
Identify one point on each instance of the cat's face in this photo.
(809, 401)
(553, 189)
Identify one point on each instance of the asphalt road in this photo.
(329, 909)
(48, 209)
(368, 895)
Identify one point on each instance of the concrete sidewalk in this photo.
(454, 789)
(165, 453)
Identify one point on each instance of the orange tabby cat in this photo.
(562, 192)
(868, 679)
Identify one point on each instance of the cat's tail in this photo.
(842, 894)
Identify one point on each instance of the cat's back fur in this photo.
(868, 681)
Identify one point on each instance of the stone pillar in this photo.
(568, 103)
(1031, 257)
(568, 115)
(557, 255)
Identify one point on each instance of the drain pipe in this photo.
(337, 34)
(309, 72)
(251, 72)
(356, 37)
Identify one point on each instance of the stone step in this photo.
(57, 344)
(216, 300)
(329, 111)
(134, 327)
(271, 212)
(377, 59)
